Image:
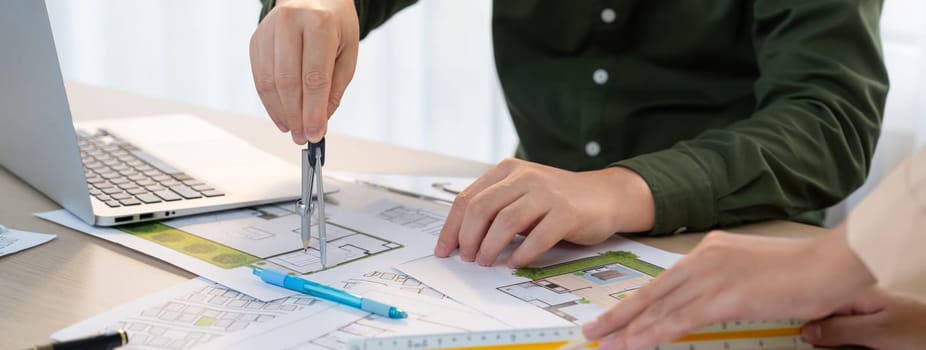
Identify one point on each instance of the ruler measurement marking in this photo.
(553, 338)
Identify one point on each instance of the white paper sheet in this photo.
(441, 189)
(201, 313)
(190, 315)
(332, 330)
(12, 241)
(413, 218)
(393, 244)
(563, 299)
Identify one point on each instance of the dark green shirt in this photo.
(731, 110)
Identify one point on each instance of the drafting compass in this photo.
(313, 158)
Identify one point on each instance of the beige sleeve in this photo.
(888, 230)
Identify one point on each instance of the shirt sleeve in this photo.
(887, 229)
(371, 13)
(819, 100)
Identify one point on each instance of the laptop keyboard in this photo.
(120, 174)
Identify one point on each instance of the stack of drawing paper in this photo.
(206, 315)
(569, 285)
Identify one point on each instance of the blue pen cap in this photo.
(270, 276)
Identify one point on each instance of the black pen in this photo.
(105, 341)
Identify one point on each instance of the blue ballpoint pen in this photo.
(321, 291)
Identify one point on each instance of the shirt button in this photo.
(608, 15)
(592, 149)
(600, 76)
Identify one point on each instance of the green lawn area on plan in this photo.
(627, 259)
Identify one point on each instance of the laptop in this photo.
(126, 170)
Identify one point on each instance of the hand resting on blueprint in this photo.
(546, 205)
(303, 56)
(740, 278)
(730, 277)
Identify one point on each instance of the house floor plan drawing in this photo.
(392, 279)
(329, 330)
(569, 285)
(580, 290)
(224, 247)
(198, 312)
(270, 233)
(413, 218)
(189, 315)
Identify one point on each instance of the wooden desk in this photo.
(77, 276)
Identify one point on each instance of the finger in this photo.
(448, 240)
(516, 217)
(551, 229)
(261, 52)
(287, 71)
(676, 325)
(482, 211)
(840, 330)
(630, 308)
(344, 67)
(660, 310)
(320, 51)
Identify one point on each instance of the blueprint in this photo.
(12, 241)
(391, 279)
(226, 246)
(413, 218)
(200, 313)
(189, 315)
(332, 330)
(439, 189)
(569, 285)
(270, 233)
(579, 290)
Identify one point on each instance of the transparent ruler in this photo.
(765, 335)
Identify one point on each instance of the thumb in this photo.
(839, 330)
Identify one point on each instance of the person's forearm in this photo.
(886, 229)
(845, 267)
(819, 98)
(629, 199)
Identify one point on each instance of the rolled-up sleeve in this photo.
(807, 145)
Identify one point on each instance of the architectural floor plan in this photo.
(579, 290)
(413, 218)
(200, 312)
(224, 247)
(268, 234)
(190, 315)
(568, 285)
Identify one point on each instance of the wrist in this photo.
(631, 207)
(840, 263)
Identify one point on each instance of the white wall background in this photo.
(425, 80)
